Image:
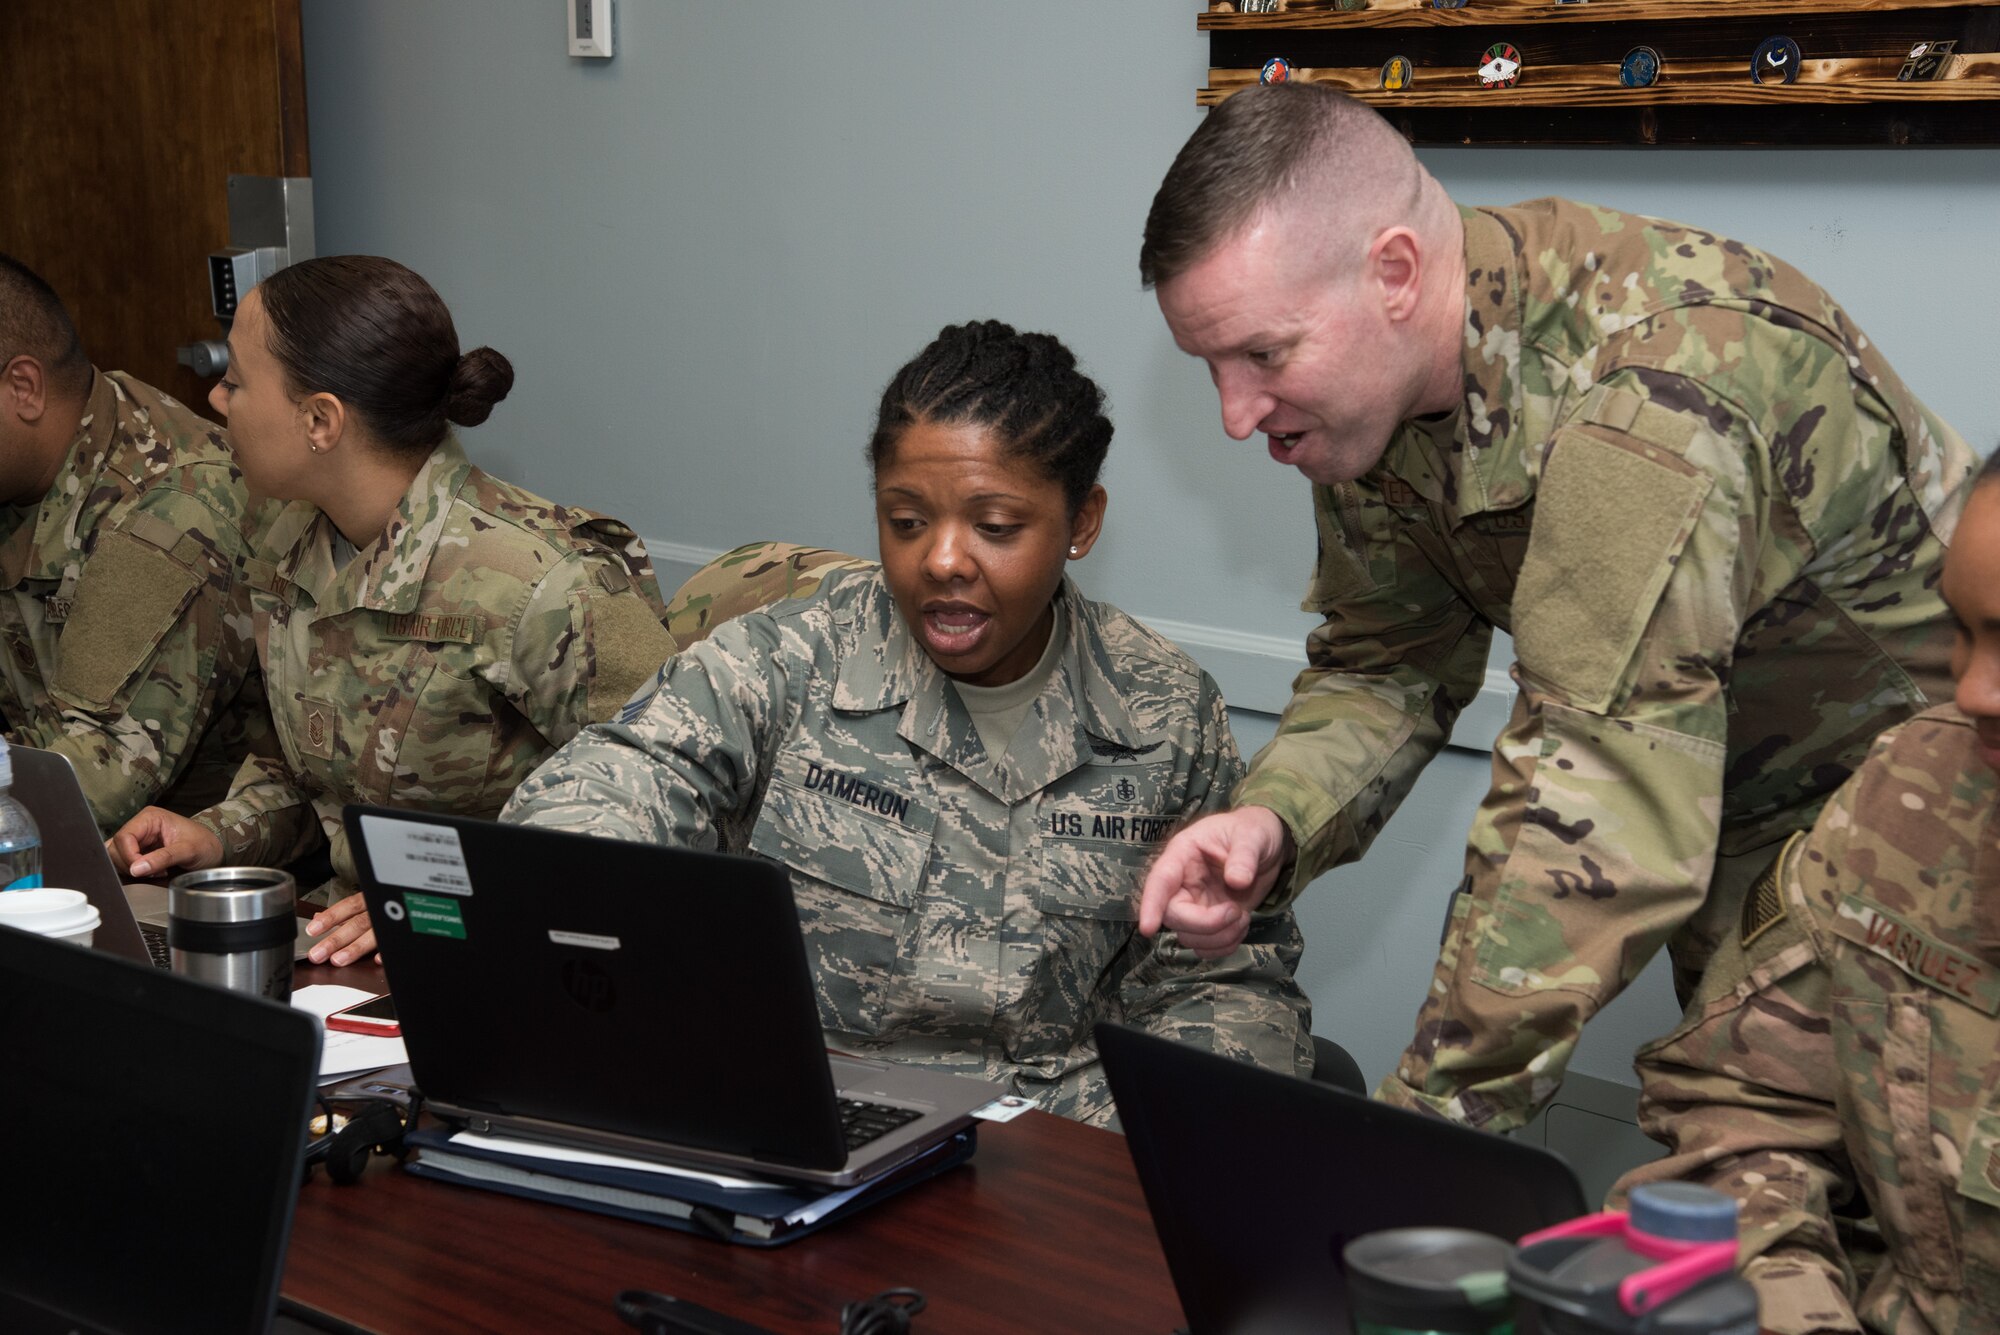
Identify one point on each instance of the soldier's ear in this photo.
(1087, 523)
(24, 389)
(324, 418)
(1395, 264)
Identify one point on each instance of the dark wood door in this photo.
(121, 122)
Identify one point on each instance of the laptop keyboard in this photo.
(862, 1122)
(156, 945)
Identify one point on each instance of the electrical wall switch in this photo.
(590, 23)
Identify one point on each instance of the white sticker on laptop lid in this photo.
(416, 855)
(590, 939)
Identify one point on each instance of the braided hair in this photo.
(1025, 388)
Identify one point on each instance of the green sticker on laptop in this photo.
(435, 915)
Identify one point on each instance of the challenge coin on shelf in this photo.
(1276, 70)
(1397, 74)
(1501, 67)
(1776, 61)
(1640, 68)
(1927, 61)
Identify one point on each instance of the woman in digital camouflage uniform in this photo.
(964, 763)
(428, 634)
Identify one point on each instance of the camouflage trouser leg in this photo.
(1695, 943)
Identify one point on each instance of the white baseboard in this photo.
(1255, 671)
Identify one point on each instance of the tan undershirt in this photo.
(997, 711)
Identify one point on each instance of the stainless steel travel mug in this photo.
(234, 926)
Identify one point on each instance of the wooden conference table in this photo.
(1045, 1229)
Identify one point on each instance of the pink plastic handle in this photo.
(1589, 1226)
(1641, 1293)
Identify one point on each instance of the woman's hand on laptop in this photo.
(157, 841)
(349, 935)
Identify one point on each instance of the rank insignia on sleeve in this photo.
(1501, 67)
(1776, 61)
(1276, 70)
(1397, 74)
(1640, 68)
(1927, 61)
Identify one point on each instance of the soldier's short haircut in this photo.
(1260, 145)
(34, 323)
(1025, 388)
(378, 337)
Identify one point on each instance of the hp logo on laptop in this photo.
(589, 985)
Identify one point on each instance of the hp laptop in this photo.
(134, 918)
(1254, 1241)
(646, 1001)
(156, 1133)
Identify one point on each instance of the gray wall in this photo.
(707, 256)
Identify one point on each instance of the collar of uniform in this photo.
(1423, 454)
(1081, 697)
(388, 574)
(1487, 470)
(56, 542)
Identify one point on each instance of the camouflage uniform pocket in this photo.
(1089, 902)
(131, 594)
(1343, 569)
(1612, 515)
(1979, 1213)
(1884, 1050)
(448, 751)
(856, 877)
(1092, 880)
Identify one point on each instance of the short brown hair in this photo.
(34, 323)
(1262, 143)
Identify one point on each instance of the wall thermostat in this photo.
(589, 28)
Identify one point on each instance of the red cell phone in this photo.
(375, 1016)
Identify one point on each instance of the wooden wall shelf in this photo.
(1569, 92)
(1420, 13)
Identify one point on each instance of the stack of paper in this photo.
(343, 1054)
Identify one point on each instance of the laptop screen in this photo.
(1256, 1186)
(151, 1143)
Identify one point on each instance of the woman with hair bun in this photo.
(963, 763)
(428, 634)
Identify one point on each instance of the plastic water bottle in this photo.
(20, 840)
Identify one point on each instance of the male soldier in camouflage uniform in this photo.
(973, 916)
(1701, 501)
(1847, 1034)
(121, 539)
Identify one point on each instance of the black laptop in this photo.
(632, 999)
(1257, 1180)
(155, 1131)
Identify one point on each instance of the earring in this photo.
(313, 448)
(1073, 551)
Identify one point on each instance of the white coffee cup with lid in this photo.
(66, 915)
